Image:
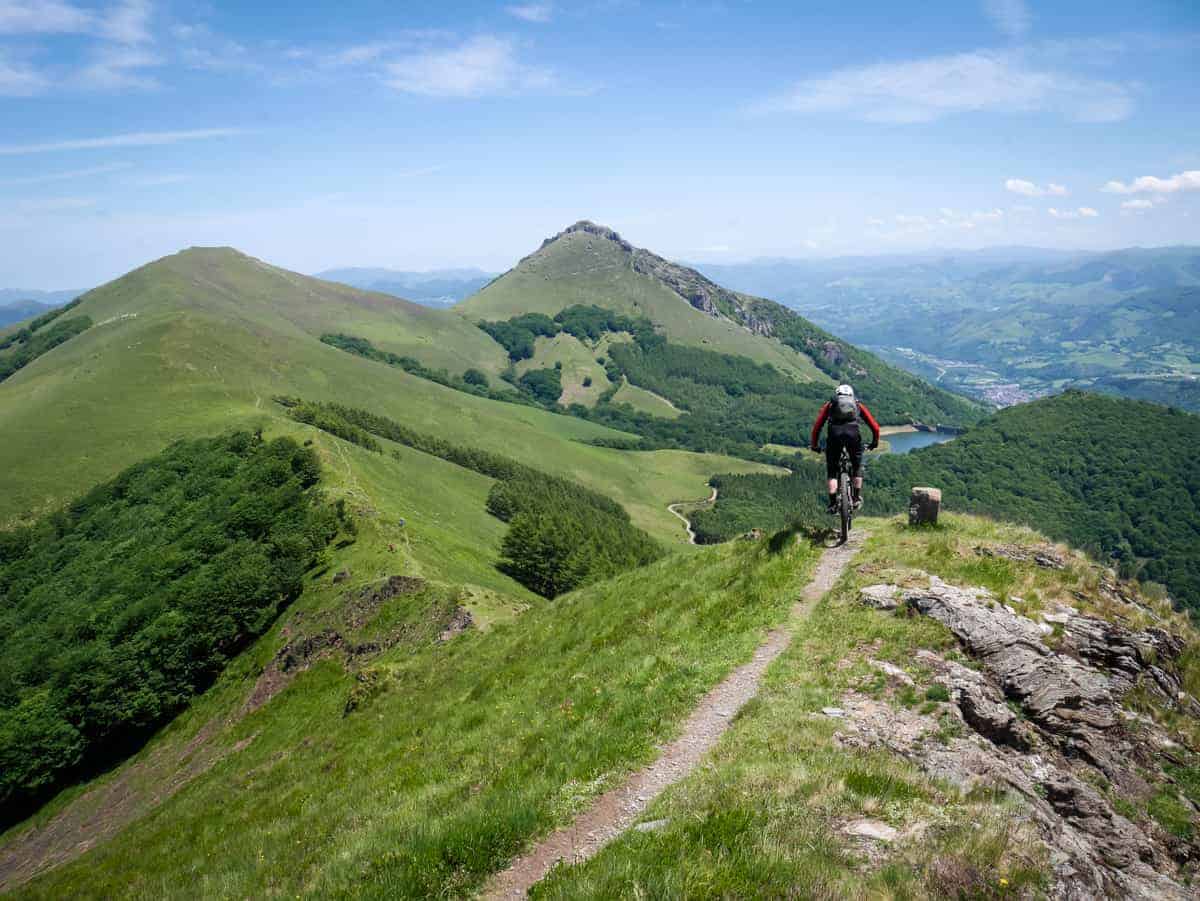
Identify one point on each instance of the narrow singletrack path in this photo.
(616, 810)
(687, 523)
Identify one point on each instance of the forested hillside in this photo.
(118, 609)
(1116, 477)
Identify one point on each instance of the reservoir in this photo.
(903, 442)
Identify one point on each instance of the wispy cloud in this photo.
(1083, 212)
(132, 139)
(1149, 184)
(118, 68)
(1012, 17)
(532, 12)
(1030, 189)
(923, 90)
(128, 22)
(1140, 204)
(481, 66)
(43, 17)
(17, 79)
(66, 176)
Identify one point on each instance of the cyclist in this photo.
(843, 413)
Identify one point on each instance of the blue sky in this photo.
(430, 135)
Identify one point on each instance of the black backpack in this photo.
(843, 409)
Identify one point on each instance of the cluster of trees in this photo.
(561, 535)
(746, 502)
(519, 334)
(21, 348)
(26, 332)
(116, 610)
(1112, 476)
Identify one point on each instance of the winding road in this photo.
(687, 523)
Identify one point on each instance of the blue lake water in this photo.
(903, 442)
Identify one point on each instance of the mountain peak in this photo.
(586, 226)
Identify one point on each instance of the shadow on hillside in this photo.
(800, 531)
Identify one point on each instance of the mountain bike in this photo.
(845, 499)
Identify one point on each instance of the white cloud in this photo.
(1011, 16)
(128, 23)
(132, 139)
(532, 12)
(987, 215)
(923, 90)
(1083, 212)
(1149, 184)
(66, 176)
(1139, 203)
(905, 219)
(42, 17)
(479, 67)
(875, 223)
(1029, 189)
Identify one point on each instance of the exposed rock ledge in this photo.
(1048, 724)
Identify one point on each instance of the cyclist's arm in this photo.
(870, 422)
(815, 440)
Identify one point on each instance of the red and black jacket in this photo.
(815, 441)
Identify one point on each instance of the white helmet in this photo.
(844, 391)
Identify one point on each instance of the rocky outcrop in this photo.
(1046, 721)
(1043, 556)
(701, 293)
(923, 506)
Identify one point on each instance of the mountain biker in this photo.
(843, 413)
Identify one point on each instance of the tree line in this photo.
(561, 535)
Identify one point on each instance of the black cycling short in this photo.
(838, 438)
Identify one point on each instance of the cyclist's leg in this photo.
(855, 446)
(833, 453)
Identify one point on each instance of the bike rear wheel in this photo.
(844, 506)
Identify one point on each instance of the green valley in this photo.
(311, 591)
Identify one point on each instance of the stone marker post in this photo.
(923, 506)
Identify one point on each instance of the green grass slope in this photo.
(590, 265)
(417, 771)
(222, 282)
(177, 352)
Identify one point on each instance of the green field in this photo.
(645, 401)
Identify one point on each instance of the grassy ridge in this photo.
(765, 817)
(474, 747)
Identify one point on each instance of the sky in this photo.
(423, 135)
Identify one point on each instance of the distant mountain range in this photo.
(437, 288)
(17, 304)
(1008, 324)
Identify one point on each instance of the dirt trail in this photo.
(687, 523)
(616, 810)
